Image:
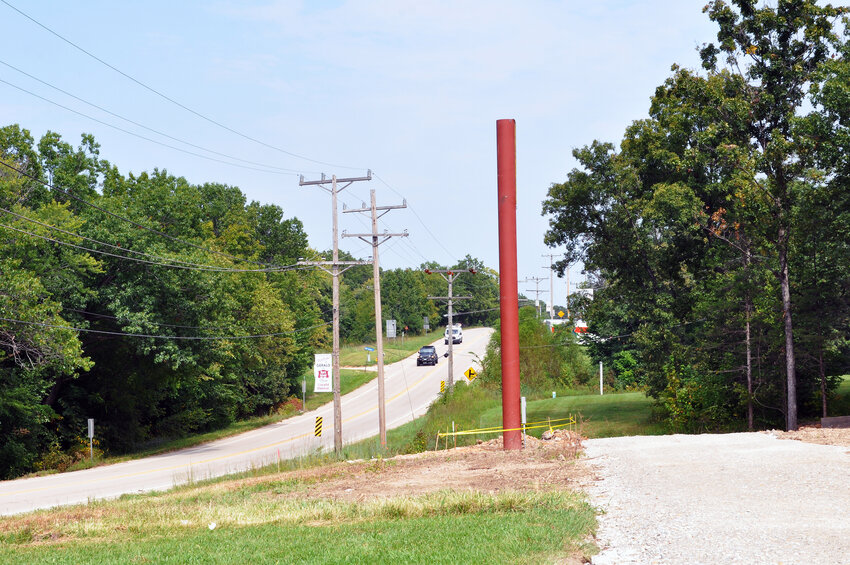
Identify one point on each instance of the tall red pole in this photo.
(508, 292)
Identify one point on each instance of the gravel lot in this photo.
(734, 498)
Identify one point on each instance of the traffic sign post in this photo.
(470, 374)
(91, 439)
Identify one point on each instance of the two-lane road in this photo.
(409, 391)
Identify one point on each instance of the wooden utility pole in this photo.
(335, 272)
(551, 257)
(536, 291)
(377, 239)
(449, 275)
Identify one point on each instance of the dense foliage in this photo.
(717, 232)
(187, 307)
(548, 357)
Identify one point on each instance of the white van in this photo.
(456, 332)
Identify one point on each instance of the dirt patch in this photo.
(486, 467)
(816, 434)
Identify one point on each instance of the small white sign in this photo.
(390, 329)
(322, 372)
(91, 428)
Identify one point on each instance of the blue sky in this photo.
(410, 90)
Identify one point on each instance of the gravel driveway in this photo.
(720, 499)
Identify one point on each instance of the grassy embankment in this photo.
(475, 407)
(350, 379)
(263, 520)
(266, 522)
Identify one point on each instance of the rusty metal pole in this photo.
(508, 291)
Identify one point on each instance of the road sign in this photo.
(91, 439)
(390, 329)
(560, 313)
(470, 374)
(322, 372)
(442, 387)
(318, 432)
(369, 348)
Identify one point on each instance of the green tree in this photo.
(780, 51)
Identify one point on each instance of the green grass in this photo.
(350, 379)
(394, 350)
(839, 405)
(614, 414)
(254, 523)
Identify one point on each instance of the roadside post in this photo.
(304, 394)
(91, 439)
(600, 378)
(522, 414)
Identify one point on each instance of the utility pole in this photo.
(377, 239)
(536, 291)
(551, 257)
(335, 272)
(449, 275)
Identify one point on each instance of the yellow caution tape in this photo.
(497, 430)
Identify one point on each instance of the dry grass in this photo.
(474, 479)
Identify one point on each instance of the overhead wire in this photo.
(132, 222)
(134, 134)
(135, 123)
(166, 337)
(176, 263)
(197, 267)
(177, 326)
(169, 99)
(12, 294)
(424, 225)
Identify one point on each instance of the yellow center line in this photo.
(211, 459)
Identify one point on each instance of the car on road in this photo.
(456, 333)
(427, 355)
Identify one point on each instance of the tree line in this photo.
(161, 308)
(716, 233)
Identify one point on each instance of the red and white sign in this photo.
(322, 372)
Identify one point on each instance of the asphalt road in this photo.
(409, 392)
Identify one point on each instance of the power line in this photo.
(135, 123)
(174, 337)
(12, 294)
(424, 225)
(128, 132)
(132, 222)
(155, 263)
(167, 98)
(164, 325)
(177, 262)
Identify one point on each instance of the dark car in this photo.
(427, 355)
